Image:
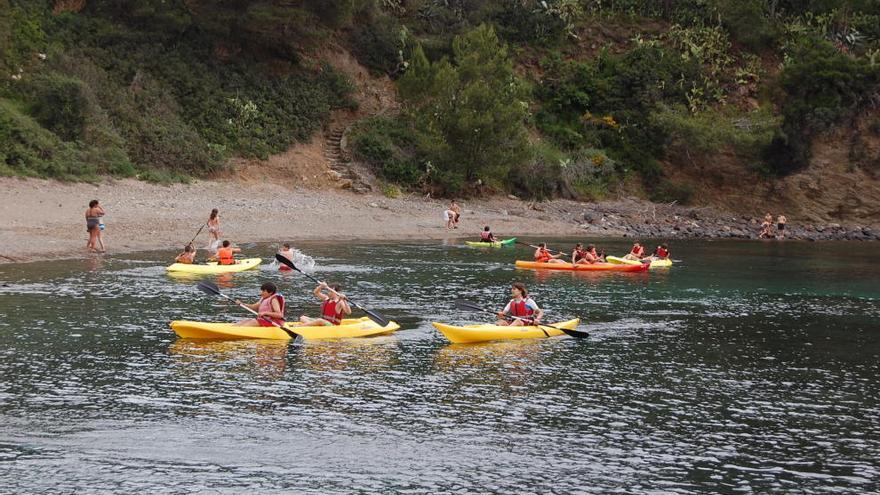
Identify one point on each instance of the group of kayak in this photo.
(521, 317)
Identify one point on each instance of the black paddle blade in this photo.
(573, 333)
(284, 261)
(373, 315)
(209, 288)
(467, 305)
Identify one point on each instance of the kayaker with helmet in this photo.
(270, 308)
(579, 254)
(188, 256)
(636, 253)
(522, 306)
(225, 254)
(542, 255)
(487, 236)
(334, 306)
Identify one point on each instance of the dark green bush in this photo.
(388, 145)
(820, 86)
(59, 105)
(377, 43)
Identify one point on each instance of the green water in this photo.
(748, 367)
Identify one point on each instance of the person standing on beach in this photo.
(780, 226)
(214, 226)
(93, 226)
(766, 225)
(456, 210)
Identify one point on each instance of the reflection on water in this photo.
(749, 367)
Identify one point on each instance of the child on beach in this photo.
(214, 226)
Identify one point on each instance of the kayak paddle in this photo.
(211, 288)
(197, 233)
(376, 317)
(552, 251)
(462, 304)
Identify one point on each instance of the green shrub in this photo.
(541, 176)
(389, 147)
(60, 105)
(470, 113)
(668, 192)
(819, 86)
(378, 44)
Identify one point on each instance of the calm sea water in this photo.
(748, 367)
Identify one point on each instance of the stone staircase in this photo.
(340, 162)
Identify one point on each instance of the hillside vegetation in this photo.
(542, 98)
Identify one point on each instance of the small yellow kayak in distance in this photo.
(350, 328)
(654, 263)
(485, 332)
(213, 267)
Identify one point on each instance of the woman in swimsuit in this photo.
(214, 225)
(93, 226)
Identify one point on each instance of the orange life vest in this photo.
(224, 256)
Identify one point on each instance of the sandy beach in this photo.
(42, 219)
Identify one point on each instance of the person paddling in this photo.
(269, 308)
(542, 255)
(188, 256)
(661, 253)
(288, 253)
(636, 253)
(579, 254)
(225, 254)
(487, 236)
(334, 306)
(522, 306)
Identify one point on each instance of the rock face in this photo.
(635, 218)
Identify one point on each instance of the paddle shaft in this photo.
(572, 333)
(553, 251)
(379, 319)
(273, 322)
(197, 234)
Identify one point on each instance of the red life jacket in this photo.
(328, 312)
(662, 253)
(543, 256)
(520, 309)
(266, 305)
(224, 256)
(638, 251)
(486, 236)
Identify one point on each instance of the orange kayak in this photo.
(582, 267)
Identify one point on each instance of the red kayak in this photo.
(582, 267)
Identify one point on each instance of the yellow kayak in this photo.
(654, 263)
(213, 267)
(353, 327)
(484, 332)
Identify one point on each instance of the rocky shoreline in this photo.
(641, 219)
